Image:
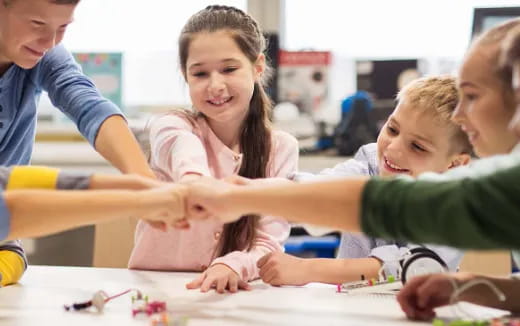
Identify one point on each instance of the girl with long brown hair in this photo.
(228, 133)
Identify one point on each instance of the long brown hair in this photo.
(255, 133)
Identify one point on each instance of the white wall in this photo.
(438, 30)
(146, 31)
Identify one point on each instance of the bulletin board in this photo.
(105, 70)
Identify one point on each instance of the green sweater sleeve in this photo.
(467, 213)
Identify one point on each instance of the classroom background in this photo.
(338, 66)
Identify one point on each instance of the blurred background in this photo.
(338, 65)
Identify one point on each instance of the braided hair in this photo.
(255, 133)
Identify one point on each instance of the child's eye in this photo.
(229, 69)
(392, 130)
(470, 97)
(418, 148)
(199, 74)
(37, 23)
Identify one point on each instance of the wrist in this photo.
(152, 200)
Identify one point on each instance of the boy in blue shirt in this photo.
(32, 61)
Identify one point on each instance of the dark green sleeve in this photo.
(467, 213)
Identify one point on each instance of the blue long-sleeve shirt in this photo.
(69, 90)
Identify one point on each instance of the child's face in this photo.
(413, 141)
(29, 28)
(484, 112)
(220, 77)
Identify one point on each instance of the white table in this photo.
(39, 300)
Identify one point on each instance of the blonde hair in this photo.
(438, 96)
(510, 51)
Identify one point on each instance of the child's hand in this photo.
(207, 198)
(164, 206)
(219, 277)
(422, 294)
(278, 268)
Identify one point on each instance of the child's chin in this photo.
(387, 173)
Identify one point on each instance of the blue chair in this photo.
(320, 247)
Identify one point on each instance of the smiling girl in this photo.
(228, 133)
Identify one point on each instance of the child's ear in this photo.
(259, 66)
(460, 159)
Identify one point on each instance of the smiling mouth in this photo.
(219, 102)
(394, 168)
(34, 52)
(472, 136)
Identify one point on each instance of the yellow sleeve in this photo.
(12, 267)
(32, 177)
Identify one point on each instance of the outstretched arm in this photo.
(40, 212)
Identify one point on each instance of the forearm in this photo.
(117, 144)
(35, 213)
(337, 271)
(481, 294)
(334, 204)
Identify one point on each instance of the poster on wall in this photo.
(105, 70)
(303, 79)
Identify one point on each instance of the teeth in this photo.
(219, 102)
(393, 166)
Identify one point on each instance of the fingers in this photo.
(422, 294)
(220, 278)
(262, 261)
(158, 225)
(433, 293)
(196, 283)
(407, 297)
(207, 284)
(243, 285)
(222, 283)
(181, 224)
(233, 284)
(271, 276)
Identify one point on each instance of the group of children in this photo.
(233, 231)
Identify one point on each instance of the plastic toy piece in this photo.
(166, 319)
(99, 299)
(422, 261)
(149, 308)
(503, 321)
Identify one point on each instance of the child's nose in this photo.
(47, 41)
(216, 83)
(395, 147)
(458, 115)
